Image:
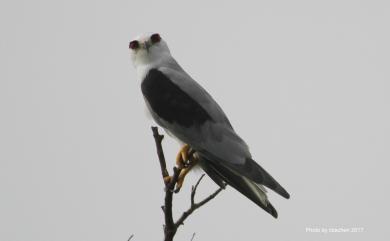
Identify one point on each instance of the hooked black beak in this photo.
(147, 45)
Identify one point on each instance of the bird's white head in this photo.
(148, 49)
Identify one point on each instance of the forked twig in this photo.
(170, 226)
(195, 205)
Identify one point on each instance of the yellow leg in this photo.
(183, 156)
(181, 159)
(184, 172)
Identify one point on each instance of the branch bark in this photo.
(131, 236)
(170, 226)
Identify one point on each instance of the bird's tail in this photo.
(221, 174)
(261, 176)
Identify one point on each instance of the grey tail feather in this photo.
(268, 180)
(251, 170)
(212, 173)
(221, 174)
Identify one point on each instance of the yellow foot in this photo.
(183, 156)
(181, 178)
(184, 161)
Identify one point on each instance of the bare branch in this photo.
(193, 190)
(131, 236)
(160, 153)
(195, 205)
(209, 198)
(170, 226)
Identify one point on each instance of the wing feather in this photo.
(196, 119)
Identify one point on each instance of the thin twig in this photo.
(131, 236)
(195, 205)
(193, 236)
(160, 153)
(193, 190)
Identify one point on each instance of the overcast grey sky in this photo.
(305, 83)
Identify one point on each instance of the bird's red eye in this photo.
(134, 44)
(155, 38)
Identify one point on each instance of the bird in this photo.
(189, 113)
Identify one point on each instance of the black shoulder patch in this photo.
(170, 102)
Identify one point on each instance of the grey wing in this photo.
(196, 92)
(215, 138)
